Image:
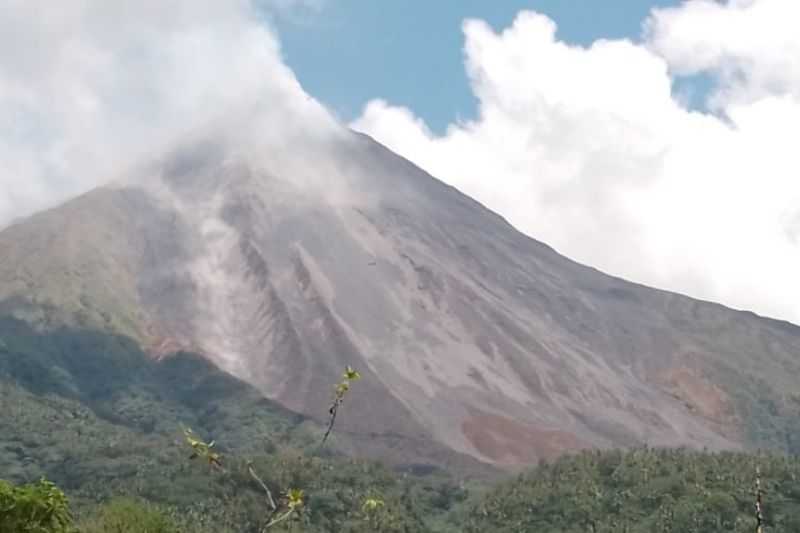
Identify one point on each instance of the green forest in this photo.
(94, 437)
(642, 490)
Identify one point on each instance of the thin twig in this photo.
(759, 514)
(278, 520)
(341, 390)
(263, 486)
(333, 410)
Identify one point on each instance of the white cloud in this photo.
(89, 87)
(586, 148)
(752, 46)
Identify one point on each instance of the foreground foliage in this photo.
(35, 508)
(645, 491)
(129, 516)
(639, 491)
(93, 414)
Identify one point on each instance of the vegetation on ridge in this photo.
(645, 491)
(642, 490)
(93, 414)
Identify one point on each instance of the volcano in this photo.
(471, 337)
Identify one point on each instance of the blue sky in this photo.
(410, 53)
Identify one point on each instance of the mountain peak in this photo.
(282, 266)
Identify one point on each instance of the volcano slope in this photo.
(472, 338)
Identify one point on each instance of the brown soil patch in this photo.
(508, 441)
(697, 393)
(163, 347)
(160, 343)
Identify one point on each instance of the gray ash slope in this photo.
(471, 336)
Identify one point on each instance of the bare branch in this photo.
(278, 520)
(263, 486)
(333, 410)
(759, 503)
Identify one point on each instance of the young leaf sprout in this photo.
(341, 389)
(202, 449)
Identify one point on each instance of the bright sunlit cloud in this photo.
(89, 88)
(588, 150)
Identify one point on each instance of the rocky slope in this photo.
(283, 268)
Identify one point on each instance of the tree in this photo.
(291, 502)
(34, 508)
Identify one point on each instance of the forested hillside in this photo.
(645, 491)
(636, 491)
(95, 415)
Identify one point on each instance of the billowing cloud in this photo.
(89, 88)
(586, 148)
(751, 46)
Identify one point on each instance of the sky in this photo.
(654, 141)
(346, 52)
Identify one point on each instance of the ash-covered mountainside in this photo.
(283, 268)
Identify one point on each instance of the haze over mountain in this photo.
(283, 262)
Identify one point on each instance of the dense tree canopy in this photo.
(645, 491)
(637, 491)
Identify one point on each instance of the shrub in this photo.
(35, 508)
(128, 516)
